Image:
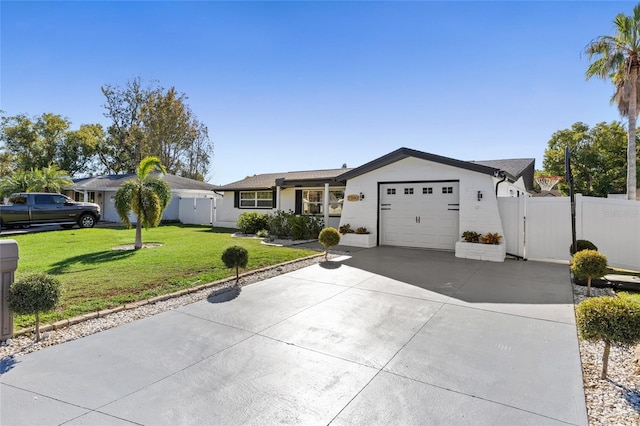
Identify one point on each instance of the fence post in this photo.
(8, 266)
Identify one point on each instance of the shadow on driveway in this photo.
(473, 281)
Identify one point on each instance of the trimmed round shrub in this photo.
(34, 294)
(235, 257)
(582, 245)
(329, 237)
(589, 264)
(252, 222)
(613, 320)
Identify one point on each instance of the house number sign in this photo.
(353, 197)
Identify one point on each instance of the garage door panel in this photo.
(419, 214)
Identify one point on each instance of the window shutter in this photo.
(236, 199)
(298, 209)
(274, 196)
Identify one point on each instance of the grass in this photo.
(95, 277)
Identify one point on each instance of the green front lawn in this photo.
(95, 277)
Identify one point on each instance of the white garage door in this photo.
(423, 214)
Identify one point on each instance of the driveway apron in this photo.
(384, 336)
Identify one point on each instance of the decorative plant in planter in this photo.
(361, 230)
(346, 229)
(471, 236)
(491, 238)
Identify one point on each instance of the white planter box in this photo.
(358, 240)
(478, 251)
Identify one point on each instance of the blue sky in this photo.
(286, 86)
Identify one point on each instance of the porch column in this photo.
(326, 205)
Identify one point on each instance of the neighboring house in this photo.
(102, 190)
(405, 198)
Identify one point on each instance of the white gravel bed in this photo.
(24, 344)
(616, 400)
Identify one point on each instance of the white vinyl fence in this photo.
(540, 227)
(198, 211)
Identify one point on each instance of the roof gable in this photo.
(402, 153)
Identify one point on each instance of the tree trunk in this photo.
(138, 244)
(37, 326)
(605, 360)
(631, 143)
(589, 286)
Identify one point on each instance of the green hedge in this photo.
(252, 222)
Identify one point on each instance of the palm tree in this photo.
(48, 179)
(51, 179)
(146, 195)
(618, 58)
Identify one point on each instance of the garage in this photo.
(419, 214)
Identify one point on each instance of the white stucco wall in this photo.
(480, 216)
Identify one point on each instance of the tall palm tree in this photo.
(146, 195)
(618, 58)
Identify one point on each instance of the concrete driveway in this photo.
(388, 336)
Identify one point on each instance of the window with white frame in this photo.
(256, 199)
(313, 201)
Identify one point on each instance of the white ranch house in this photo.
(405, 198)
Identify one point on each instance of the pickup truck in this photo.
(35, 208)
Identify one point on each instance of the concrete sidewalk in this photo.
(389, 336)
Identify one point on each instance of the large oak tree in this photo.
(152, 121)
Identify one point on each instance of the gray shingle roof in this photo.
(514, 166)
(109, 182)
(268, 180)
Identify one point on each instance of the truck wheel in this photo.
(87, 221)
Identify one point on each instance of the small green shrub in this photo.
(582, 245)
(279, 224)
(263, 233)
(305, 227)
(328, 237)
(34, 294)
(614, 320)
(299, 227)
(471, 236)
(252, 222)
(235, 257)
(589, 264)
